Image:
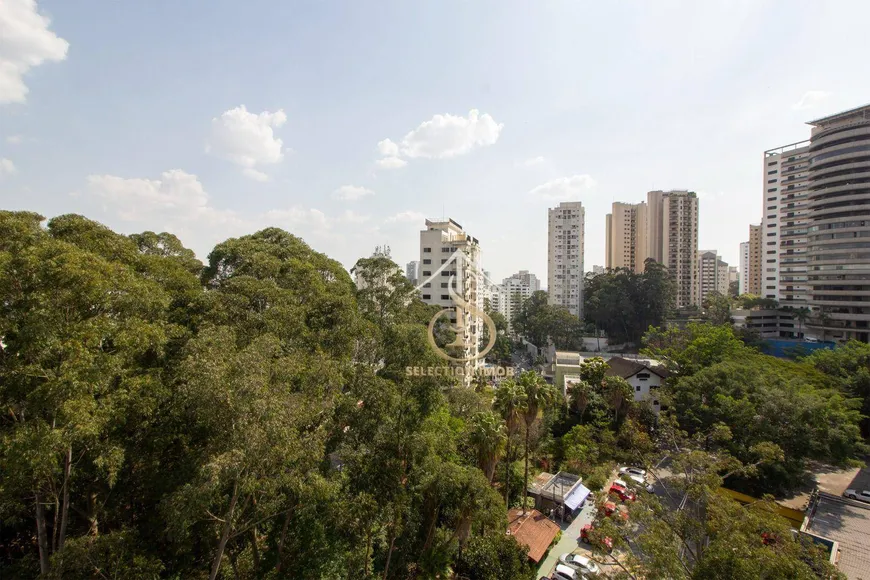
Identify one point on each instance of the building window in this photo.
(445, 297)
(444, 284)
(427, 296)
(771, 190)
(637, 389)
(427, 285)
(427, 272)
(443, 260)
(427, 250)
(771, 172)
(643, 376)
(771, 181)
(427, 261)
(445, 249)
(771, 198)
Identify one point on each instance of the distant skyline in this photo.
(349, 123)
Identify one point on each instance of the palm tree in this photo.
(539, 396)
(510, 403)
(618, 393)
(823, 320)
(487, 435)
(801, 315)
(580, 393)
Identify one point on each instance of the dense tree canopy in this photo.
(541, 322)
(626, 304)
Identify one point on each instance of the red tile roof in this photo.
(533, 530)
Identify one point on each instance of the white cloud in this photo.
(533, 161)
(7, 167)
(810, 100)
(352, 192)
(25, 42)
(441, 137)
(448, 135)
(14, 139)
(248, 139)
(176, 197)
(254, 174)
(390, 163)
(351, 217)
(563, 188)
(405, 217)
(387, 148)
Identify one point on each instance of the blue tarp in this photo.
(576, 497)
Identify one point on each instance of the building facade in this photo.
(753, 273)
(743, 274)
(784, 224)
(627, 241)
(838, 253)
(673, 239)
(450, 266)
(412, 272)
(565, 246)
(712, 276)
(516, 290)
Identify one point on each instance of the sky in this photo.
(348, 123)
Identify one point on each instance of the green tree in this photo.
(511, 403)
(539, 395)
(849, 365)
(687, 350)
(801, 314)
(487, 436)
(717, 308)
(495, 557)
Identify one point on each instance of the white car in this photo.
(641, 482)
(563, 572)
(859, 495)
(581, 563)
(632, 471)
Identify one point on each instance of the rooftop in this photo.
(847, 522)
(625, 368)
(863, 110)
(533, 530)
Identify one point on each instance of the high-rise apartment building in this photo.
(516, 290)
(412, 272)
(565, 245)
(450, 260)
(784, 224)
(753, 274)
(673, 239)
(838, 252)
(627, 240)
(743, 275)
(711, 276)
(733, 275)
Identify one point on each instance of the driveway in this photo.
(568, 543)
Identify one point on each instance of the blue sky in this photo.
(214, 119)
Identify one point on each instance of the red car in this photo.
(623, 493)
(585, 537)
(610, 508)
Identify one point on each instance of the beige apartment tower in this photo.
(450, 264)
(627, 242)
(712, 276)
(753, 274)
(673, 239)
(565, 245)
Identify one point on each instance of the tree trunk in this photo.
(369, 534)
(64, 513)
(255, 550)
(92, 515)
(392, 546)
(225, 535)
(42, 536)
(525, 471)
(507, 466)
(281, 543)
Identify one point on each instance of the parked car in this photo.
(580, 563)
(859, 495)
(610, 508)
(563, 572)
(629, 470)
(641, 482)
(586, 537)
(622, 492)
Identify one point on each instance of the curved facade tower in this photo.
(838, 253)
